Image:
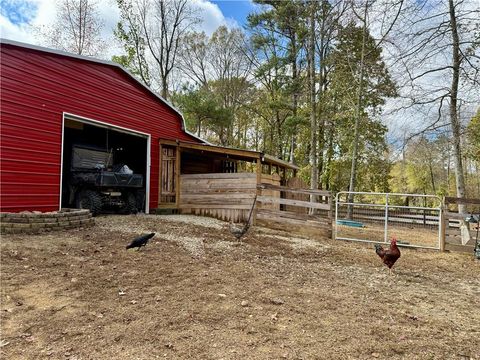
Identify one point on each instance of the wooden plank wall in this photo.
(297, 183)
(229, 197)
(273, 179)
(225, 196)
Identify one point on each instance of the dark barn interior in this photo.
(125, 148)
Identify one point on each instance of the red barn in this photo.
(51, 100)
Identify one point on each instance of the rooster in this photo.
(389, 256)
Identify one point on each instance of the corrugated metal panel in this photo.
(36, 89)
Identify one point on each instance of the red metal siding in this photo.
(36, 88)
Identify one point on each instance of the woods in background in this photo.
(331, 85)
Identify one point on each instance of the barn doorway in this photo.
(104, 168)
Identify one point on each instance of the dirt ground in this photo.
(413, 235)
(196, 293)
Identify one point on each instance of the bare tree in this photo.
(194, 59)
(76, 28)
(363, 18)
(129, 33)
(441, 59)
(313, 99)
(164, 24)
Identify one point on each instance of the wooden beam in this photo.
(252, 155)
(274, 161)
(294, 190)
(177, 175)
(304, 216)
(217, 176)
(216, 206)
(160, 176)
(259, 192)
(455, 200)
(305, 204)
(454, 215)
(459, 248)
(168, 142)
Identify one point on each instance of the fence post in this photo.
(330, 214)
(443, 227)
(258, 191)
(386, 219)
(336, 216)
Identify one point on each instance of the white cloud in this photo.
(211, 17)
(25, 32)
(110, 14)
(210, 14)
(14, 32)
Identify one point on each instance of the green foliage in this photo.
(204, 112)
(338, 104)
(425, 169)
(473, 137)
(128, 32)
(251, 91)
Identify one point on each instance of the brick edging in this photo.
(35, 222)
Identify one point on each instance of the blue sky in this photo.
(235, 9)
(18, 11)
(19, 18)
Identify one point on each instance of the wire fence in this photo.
(414, 220)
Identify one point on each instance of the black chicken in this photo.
(140, 241)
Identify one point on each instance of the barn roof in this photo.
(104, 62)
(205, 146)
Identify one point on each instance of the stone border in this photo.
(27, 222)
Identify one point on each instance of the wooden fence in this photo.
(230, 196)
(225, 196)
(313, 219)
(453, 237)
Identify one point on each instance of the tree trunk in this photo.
(313, 110)
(455, 122)
(295, 95)
(353, 171)
(164, 87)
(321, 88)
(313, 107)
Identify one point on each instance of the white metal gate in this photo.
(414, 219)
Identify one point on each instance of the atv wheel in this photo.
(91, 200)
(130, 204)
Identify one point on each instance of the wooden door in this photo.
(168, 183)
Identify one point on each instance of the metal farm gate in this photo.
(415, 220)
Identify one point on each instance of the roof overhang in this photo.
(233, 153)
